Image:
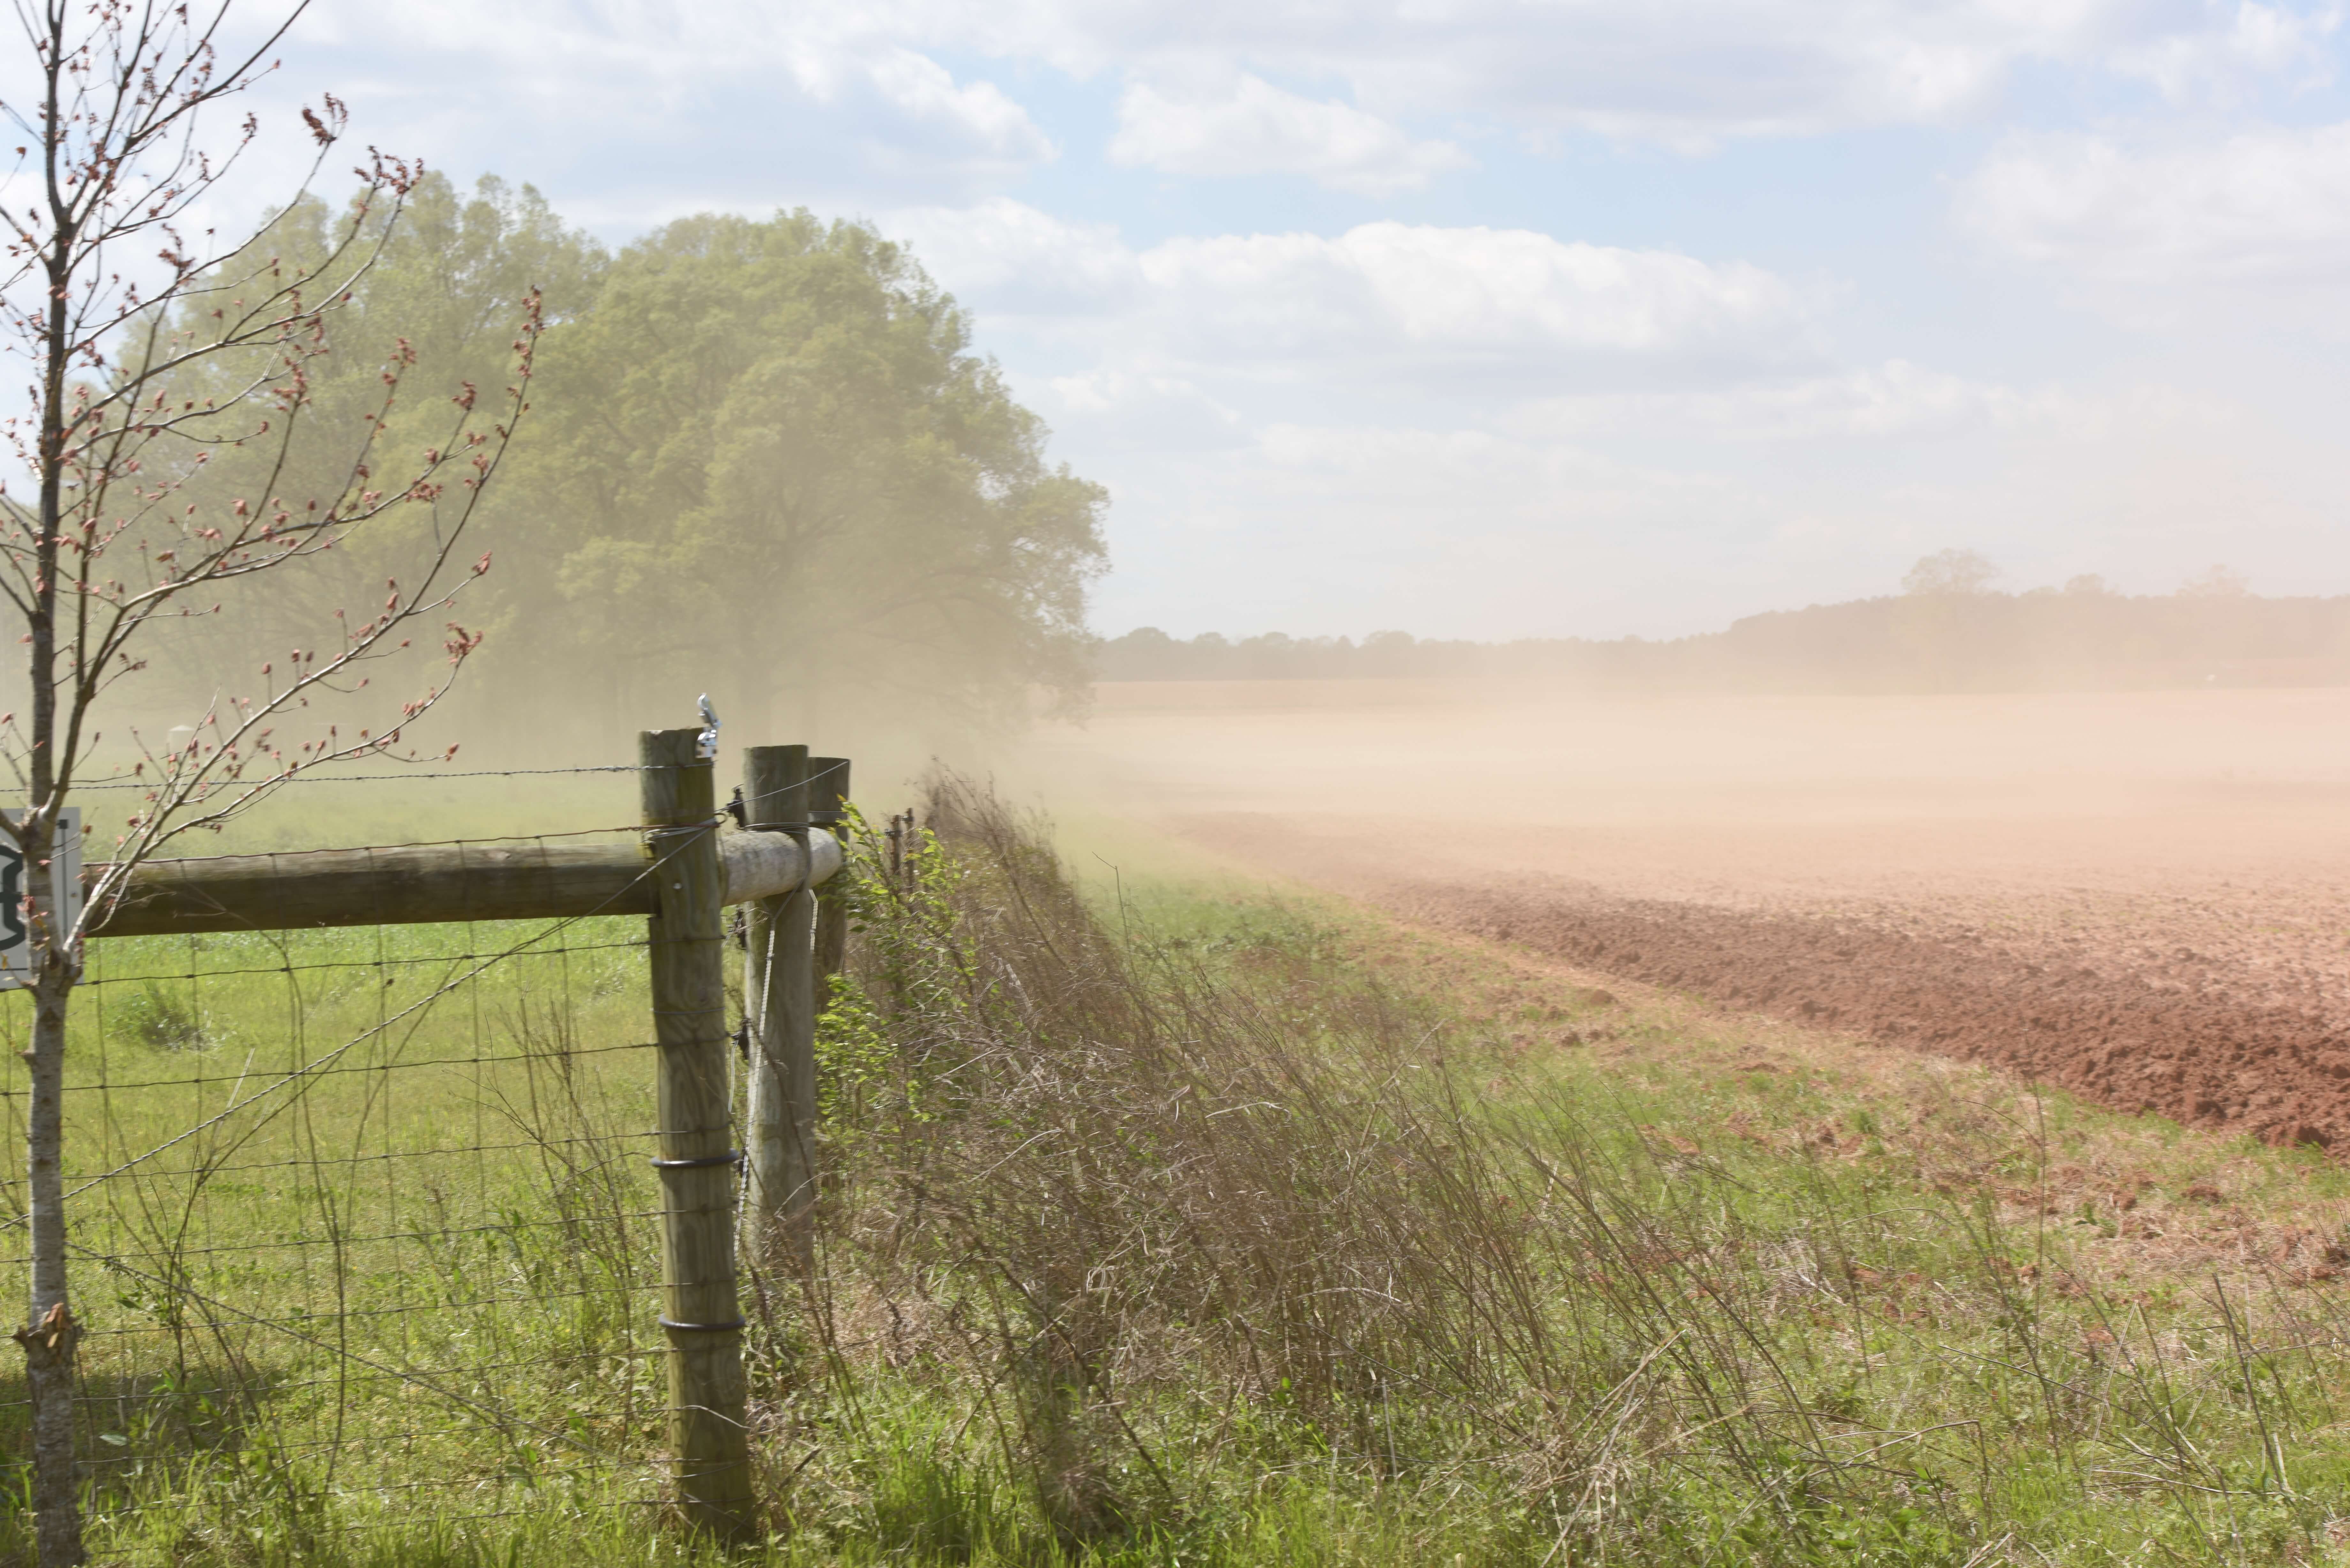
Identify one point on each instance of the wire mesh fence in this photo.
(363, 1226)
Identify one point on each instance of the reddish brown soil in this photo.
(2144, 898)
(2201, 1055)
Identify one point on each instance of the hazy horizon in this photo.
(2186, 587)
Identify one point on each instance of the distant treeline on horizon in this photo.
(1971, 641)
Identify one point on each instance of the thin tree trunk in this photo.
(49, 1335)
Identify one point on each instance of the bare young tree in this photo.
(168, 384)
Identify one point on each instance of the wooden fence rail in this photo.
(437, 883)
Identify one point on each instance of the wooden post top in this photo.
(680, 788)
(775, 786)
(828, 790)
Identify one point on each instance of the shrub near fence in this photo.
(382, 1216)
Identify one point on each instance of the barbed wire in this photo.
(467, 1369)
(87, 984)
(211, 1171)
(116, 1088)
(354, 1315)
(503, 1227)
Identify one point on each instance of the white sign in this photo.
(16, 948)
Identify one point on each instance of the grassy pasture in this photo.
(438, 803)
(1190, 1227)
(367, 1232)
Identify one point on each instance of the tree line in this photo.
(1933, 639)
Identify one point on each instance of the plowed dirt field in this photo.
(2143, 898)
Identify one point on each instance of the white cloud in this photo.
(1251, 127)
(976, 114)
(1448, 531)
(2269, 203)
(1012, 260)
(1413, 298)
(1147, 411)
(1893, 400)
(1442, 478)
(1685, 71)
(653, 107)
(1679, 71)
(2223, 63)
(1460, 531)
(1478, 294)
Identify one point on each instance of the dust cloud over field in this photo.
(2144, 896)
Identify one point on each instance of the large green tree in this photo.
(439, 289)
(772, 466)
(762, 461)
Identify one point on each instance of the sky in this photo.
(1524, 318)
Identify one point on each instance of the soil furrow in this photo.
(2202, 1056)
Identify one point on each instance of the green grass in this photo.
(324, 812)
(1660, 1302)
(355, 1220)
(1187, 1228)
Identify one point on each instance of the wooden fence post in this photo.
(782, 1068)
(701, 1316)
(828, 808)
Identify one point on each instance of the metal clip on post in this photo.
(706, 745)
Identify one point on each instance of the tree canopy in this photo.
(1951, 572)
(771, 455)
(441, 294)
(764, 461)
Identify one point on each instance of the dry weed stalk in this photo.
(1137, 1206)
(1177, 1224)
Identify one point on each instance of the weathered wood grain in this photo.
(701, 1314)
(434, 884)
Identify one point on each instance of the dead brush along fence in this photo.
(681, 876)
